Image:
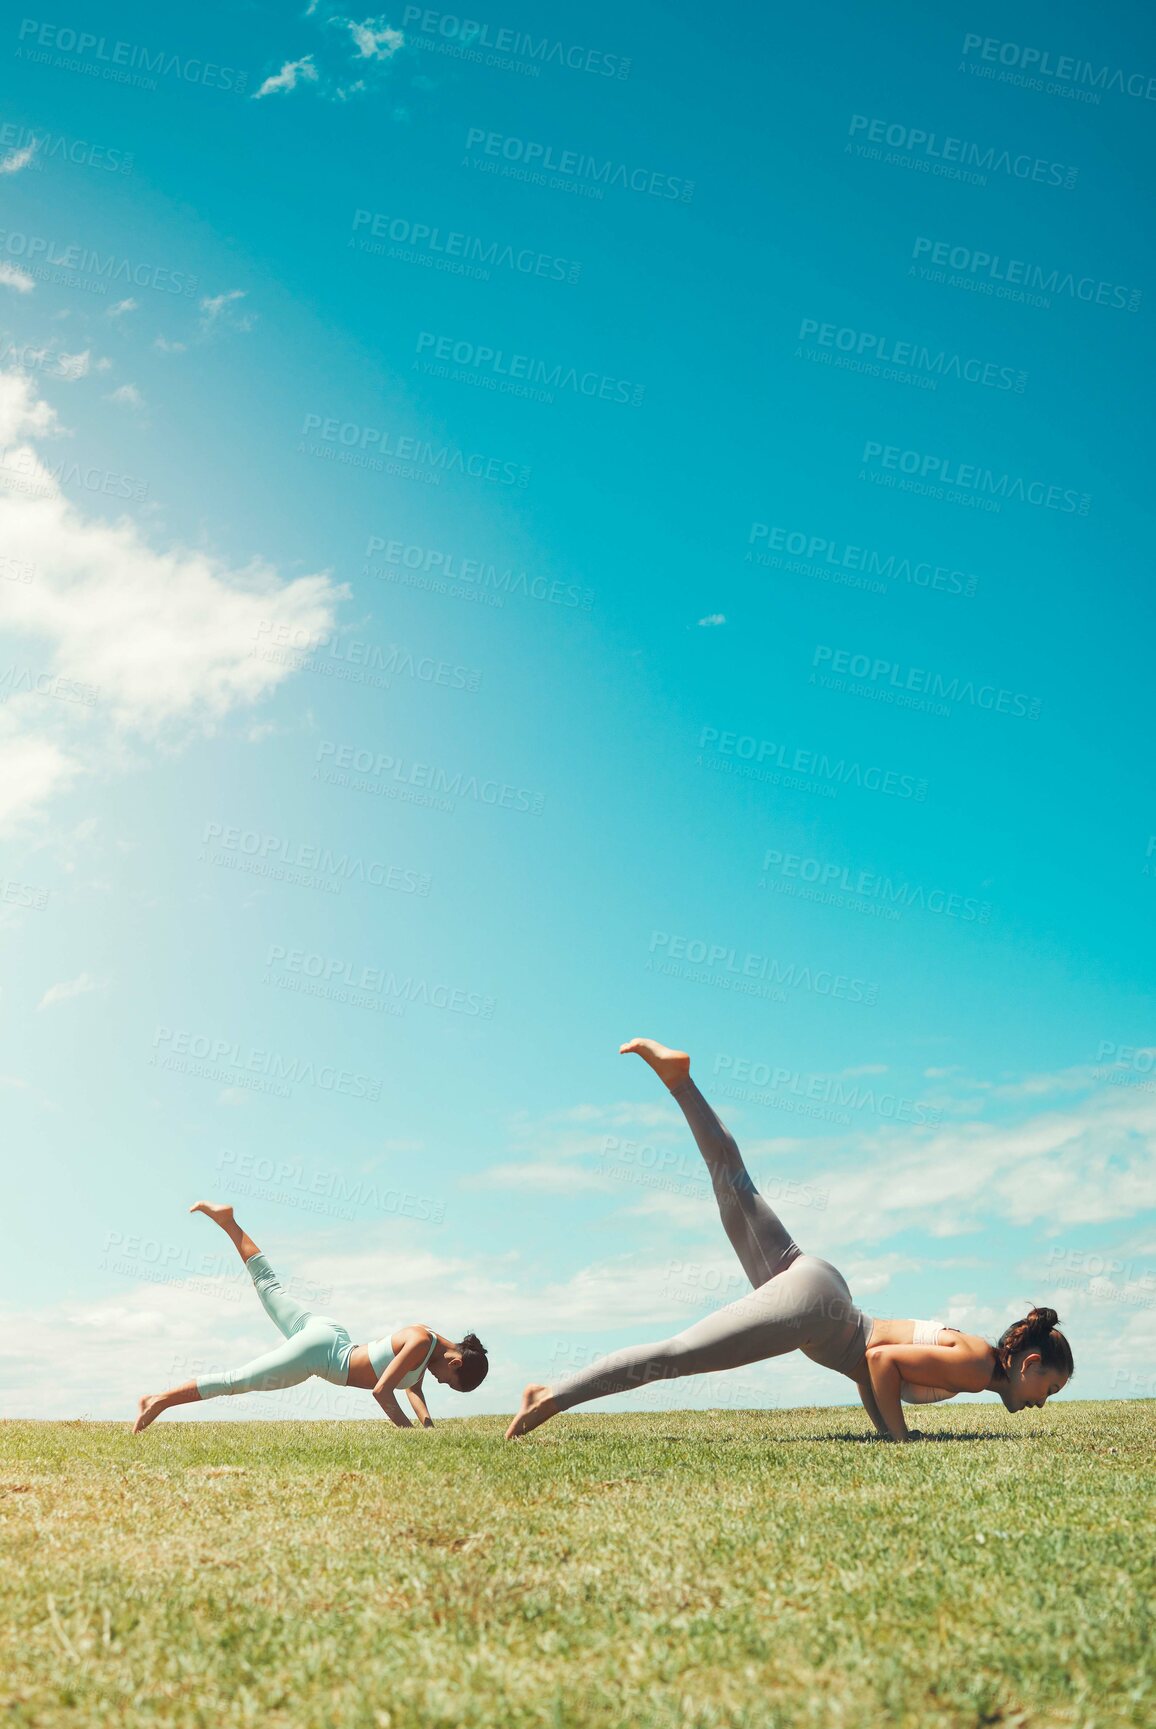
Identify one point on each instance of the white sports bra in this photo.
(926, 1333)
(382, 1353)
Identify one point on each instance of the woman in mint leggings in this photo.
(800, 1303)
(316, 1345)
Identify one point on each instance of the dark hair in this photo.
(1036, 1332)
(475, 1365)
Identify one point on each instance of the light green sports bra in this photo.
(382, 1353)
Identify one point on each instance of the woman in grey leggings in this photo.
(800, 1303)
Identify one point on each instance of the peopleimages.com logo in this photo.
(934, 473)
(997, 268)
(372, 446)
(55, 147)
(846, 562)
(361, 769)
(575, 166)
(956, 158)
(491, 43)
(455, 252)
(510, 369)
(1066, 69)
(742, 970)
(836, 1092)
(923, 681)
(831, 881)
(768, 758)
(307, 864)
(444, 572)
(116, 60)
(337, 979)
(239, 1064)
(40, 253)
(905, 357)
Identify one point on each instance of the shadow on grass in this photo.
(870, 1440)
(852, 1440)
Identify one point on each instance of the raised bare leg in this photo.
(671, 1067)
(153, 1404)
(223, 1216)
(758, 1236)
(537, 1407)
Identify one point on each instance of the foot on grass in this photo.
(537, 1407)
(671, 1067)
(222, 1216)
(150, 1408)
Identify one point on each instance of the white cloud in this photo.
(217, 309)
(121, 307)
(215, 304)
(15, 160)
(167, 347)
(13, 277)
(164, 634)
(712, 619)
(373, 38)
(1091, 1162)
(128, 395)
(34, 770)
(370, 44)
(67, 989)
(291, 73)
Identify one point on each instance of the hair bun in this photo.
(1043, 1320)
(471, 1342)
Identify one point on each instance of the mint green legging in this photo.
(314, 1345)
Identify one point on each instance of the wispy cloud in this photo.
(122, 307)
(69, 988)
(127, 395)
(373, 38)
(15, 160)
(1082, 1160)
(11, 276)
(370, 44)
(292, 73)
(219, 309)
(712, 620)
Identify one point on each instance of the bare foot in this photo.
(537, 1407)
(150, 1409)
(671, 1067)
(222, 1216)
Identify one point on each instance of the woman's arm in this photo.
(419, 1407)
(950, 1366)
(863, 1382)
(407, 1359)
(885, 1379)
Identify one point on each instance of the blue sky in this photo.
(454, 622)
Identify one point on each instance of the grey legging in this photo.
(799, 1302)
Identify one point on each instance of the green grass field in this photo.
(702, 1569)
